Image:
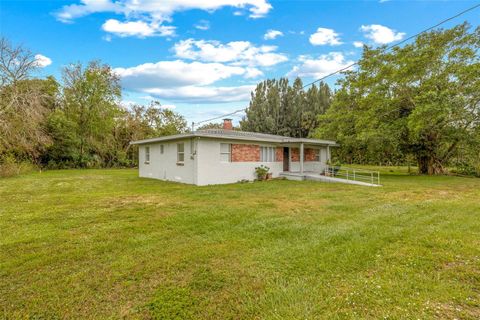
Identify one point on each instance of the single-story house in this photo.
(217, 156)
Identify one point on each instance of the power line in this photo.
(219, 117)
(355, 63)
(222, 116)
(397, 44)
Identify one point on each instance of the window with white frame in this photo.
(225, 152)
(147, 154)
(161, 149)
(267, 154)
(180, 152)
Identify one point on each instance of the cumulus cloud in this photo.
(137, 28)
(175, 73)
(182, 81)
(203, 25)
(152, 14)
(324, 36)
(381, 34)
(235, 52)
(319, 67)
(70, 12)
(272, 34)
(42, 61)
(208, 94)
(357, 44)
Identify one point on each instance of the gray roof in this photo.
(237, 135)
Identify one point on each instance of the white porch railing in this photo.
(353, 174)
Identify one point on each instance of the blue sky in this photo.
(204, 57)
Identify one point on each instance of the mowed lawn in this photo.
(107, 244)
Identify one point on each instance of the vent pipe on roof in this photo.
(227, 124)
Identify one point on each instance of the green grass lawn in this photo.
(107, 244)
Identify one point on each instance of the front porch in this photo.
(305, 157)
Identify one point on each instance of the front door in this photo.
(285, 159)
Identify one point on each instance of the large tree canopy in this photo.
(278, 108)
(422, 99)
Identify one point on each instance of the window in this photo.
(147, 154)
(161, 149)
(225, 152)
(317, 154)
(267, 154)
(180, 152)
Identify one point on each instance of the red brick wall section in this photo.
(279, 154)
(295, 154)
(308, 154)
(245, 153)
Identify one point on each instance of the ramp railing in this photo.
(353, 174)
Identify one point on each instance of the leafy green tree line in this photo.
(78, 122)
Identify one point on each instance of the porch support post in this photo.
(289, 158)
(328, 153)
(301, 158)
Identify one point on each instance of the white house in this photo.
(217, 156)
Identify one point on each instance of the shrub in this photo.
(10, 167)
(467, 168)
(262, 172)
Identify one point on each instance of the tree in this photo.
(210, 125)
(422, 99)
(91, 98)
(143, 122)
(278, 108)
(24, 103)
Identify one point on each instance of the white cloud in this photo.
(325, 36)
(137, 28)
(358, 44)
(319, 67)
(272, 34)
(182, 81)
(208, 94)
(168, 106)
(253, 73)
(150, 15)
(381, 34)
(167, 74)
(235, 52)
(203, 25)
(42, 61)
(86, 7)
(155, 12)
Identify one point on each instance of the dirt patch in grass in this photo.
(134, 202)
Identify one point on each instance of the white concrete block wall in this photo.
(164, 166)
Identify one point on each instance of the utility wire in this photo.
(397, 44)
(220, 117)
(355, 63)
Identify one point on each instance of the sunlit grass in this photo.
(107, 244)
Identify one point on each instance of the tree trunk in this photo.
(428, 164)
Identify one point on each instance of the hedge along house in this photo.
(217, 156)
